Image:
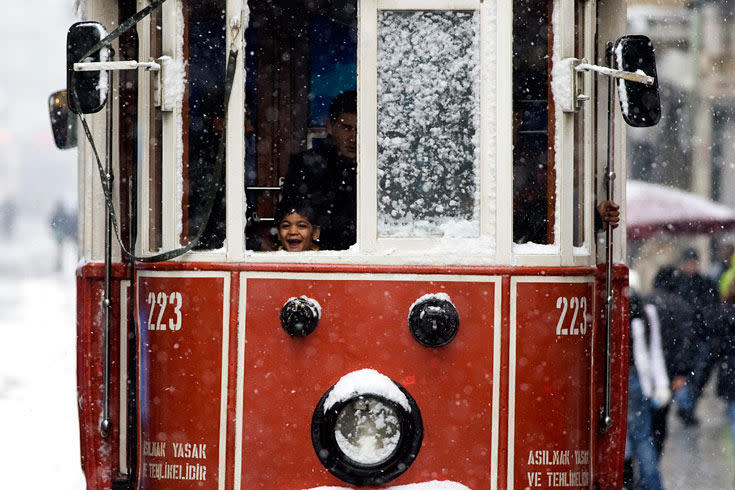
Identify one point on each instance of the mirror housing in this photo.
(87, 90)
(640, 103)
(63, 121)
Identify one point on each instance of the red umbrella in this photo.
(655, 209)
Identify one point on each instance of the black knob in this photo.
(299, 316)
(433, 321)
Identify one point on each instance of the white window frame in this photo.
(171, 145)
(428, 249)
(562, 252)
(494, 246)
(585, 255)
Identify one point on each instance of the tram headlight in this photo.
(299, 316)
(366, 429)
(433, 320)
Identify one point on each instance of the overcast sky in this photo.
(32, 40)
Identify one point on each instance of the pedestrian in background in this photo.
(648, 387)
(701, 294)
(722, 260)
(725, 343)
(675, 316)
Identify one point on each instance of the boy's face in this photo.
(296, 233)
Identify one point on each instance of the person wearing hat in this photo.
(701, 293)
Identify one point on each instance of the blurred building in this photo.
(693, 147)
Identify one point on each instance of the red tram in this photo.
(471, 337)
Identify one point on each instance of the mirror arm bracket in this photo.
(163, 99)
(571, 98)
(117, 65)
(611, 72)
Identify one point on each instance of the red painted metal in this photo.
(180, 392)
(551, 396)
(364, 325)
(98, 454)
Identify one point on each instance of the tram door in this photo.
(299, 57)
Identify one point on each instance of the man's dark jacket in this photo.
(677, 334)
(327, 182)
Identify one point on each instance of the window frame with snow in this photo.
(165, 187)
(572, 148)
(372, 230)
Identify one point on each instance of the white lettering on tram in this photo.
(154, 449)
(534, 479)
(187, 450)
(581, 457)
(168, 471)
(577, 307)
(545, 456)
(568, 478)
(159, 301)
(575, 475)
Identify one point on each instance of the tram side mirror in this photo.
(639, 102)
(63, 121)
(87, 90)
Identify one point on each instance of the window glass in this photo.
(428, 111)
(533, 171)
(203, 115)
(300, 57)
(155, 140)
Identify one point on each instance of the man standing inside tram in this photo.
(326, 176)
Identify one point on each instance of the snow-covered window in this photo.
(427, 122)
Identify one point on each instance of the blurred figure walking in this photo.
(677, 344)
(701, 294)
(648, 387)
(63, 226)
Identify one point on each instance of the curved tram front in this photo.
(460, 342)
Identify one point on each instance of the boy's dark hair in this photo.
(302, 207)
(345, 102)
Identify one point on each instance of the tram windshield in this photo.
(301, 60)
(301, 121)
(428, 117)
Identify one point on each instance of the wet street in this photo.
(700, 457)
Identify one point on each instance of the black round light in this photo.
(299, 316)
(433, 321)
(367, 438)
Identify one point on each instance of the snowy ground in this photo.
(38, 410)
